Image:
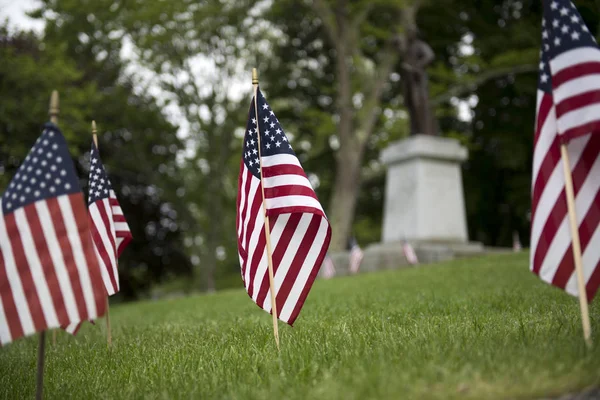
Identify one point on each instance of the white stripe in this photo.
(288, 257)
(279, 159)
(117, 210)
(111, 223)
(576, 86)
(121, 227)
(242, 192)
(14, 280)
(263, 266)
(574, 57)
(562, 240)
(552, 190)
(104, 273)
(579, 117)
(293, 201)
(285, 180)
(62, 274)
(37, 271)
(5, 336)
(98, 222)
(305, 271)
(545, 139)
(249, 202)
(78, 255)
(72, 327)
(253, 241)
(590, 259)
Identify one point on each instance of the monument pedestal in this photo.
(424, 200)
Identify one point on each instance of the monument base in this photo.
(424, 199)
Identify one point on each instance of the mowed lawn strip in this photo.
(472, 328)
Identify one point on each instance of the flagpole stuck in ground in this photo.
(264, 206)
(108, 330)
(583, 300)
(53, 113)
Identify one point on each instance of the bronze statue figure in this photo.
(416, 56)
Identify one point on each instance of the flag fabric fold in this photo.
(49, 274)
(568, 111)
(300, 231)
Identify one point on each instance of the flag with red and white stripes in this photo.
(356, 256)
(49, 274)
(328, 268)
(109, 228)
(300, 231)
(568, 110)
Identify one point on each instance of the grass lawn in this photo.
(483, 328)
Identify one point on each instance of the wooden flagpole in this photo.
(583, 300)
(264, 206)
(53, 112)
(108, 330)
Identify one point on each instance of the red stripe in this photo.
(576, 102)
(81, 213)
(593, 283)
(282, 169)
(118, 218)
(33, 300)
(103, 253)
(551, 159)
(106, 226)
(8, 301)
(542, 114)
(590, 127)
(289, 190)
(242, 242)
(67, 252)
(253, 210)
(574, 72)
(127, 237)
(113, 201)
(278, 253)
(273, 212)
(259, 250)
(47, 263)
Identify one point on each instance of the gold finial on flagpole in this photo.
(94, 132)
(254, 76)
(54, 109)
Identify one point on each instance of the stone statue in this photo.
(416, 56)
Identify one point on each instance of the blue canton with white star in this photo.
(46, 172)
(563, 29)
(99, 184)
(273, 138)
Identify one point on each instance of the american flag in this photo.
(328, 268)
(409, 253)
(109, 228)
(356, 256)
(49, 275)
(568, 109)
(300, 231)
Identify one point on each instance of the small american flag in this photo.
(300, 231)
(568, 110)
(409, 253)
(328, 268)
(109, 228)
(356, 256)
(49, 274)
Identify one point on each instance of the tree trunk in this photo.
(345, 194)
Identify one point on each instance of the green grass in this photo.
(482, 328)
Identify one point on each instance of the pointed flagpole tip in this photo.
(54, 109)
(254, 76)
